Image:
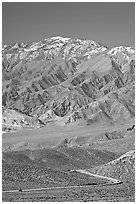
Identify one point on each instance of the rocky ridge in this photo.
(67, 80)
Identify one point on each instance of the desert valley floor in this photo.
(43, 164)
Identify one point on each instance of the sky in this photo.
(109, 23)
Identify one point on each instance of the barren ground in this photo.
(86, 189)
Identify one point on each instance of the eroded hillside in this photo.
(66, 80)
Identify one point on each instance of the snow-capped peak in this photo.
(58, 46)
(120, 49)
(65, 47)
(59, 37)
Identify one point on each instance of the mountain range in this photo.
(66, 81)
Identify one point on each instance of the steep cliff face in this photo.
(66, 80)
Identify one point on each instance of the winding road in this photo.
(114, 181)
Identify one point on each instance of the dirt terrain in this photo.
(114, 193)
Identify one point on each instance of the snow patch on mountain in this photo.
(120, 49)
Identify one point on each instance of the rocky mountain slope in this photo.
(122, 168)
(66, 80)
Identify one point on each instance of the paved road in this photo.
(49, 188)
(39, 189)
(98, 176)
